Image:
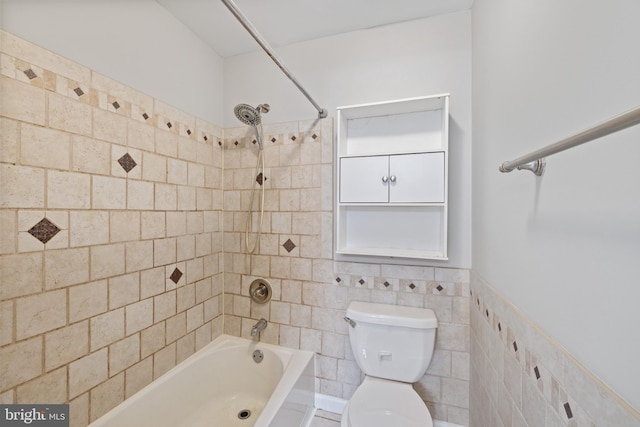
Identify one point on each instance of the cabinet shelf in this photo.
(437, 204)
(392, 253)
(385, 153)
(392, 179)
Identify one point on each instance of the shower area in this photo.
(128, 243)
(277, 223)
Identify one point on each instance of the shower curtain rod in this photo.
(322, 113)
(535, 161)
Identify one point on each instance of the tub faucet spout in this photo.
(258, 327)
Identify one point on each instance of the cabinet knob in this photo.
(392, 178)
(385, 179)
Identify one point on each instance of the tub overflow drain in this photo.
(258, 355)
(244, 414)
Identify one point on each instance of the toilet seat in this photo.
(386, 403)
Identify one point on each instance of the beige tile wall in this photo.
(93, 315)
(311, 291)
(521, 377)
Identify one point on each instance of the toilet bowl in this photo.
(385, 403)
(393, 346)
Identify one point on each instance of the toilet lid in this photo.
(383, 403)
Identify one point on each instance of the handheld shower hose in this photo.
(251, 116)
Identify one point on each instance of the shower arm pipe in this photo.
(535, 161)
(322, 113)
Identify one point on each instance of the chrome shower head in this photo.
(251, 116)
(247, 114)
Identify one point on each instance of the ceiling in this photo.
(283, 22)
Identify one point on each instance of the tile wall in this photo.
(110, 248)
(311, 291)
(521, 377)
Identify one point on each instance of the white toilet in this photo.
(393, 346)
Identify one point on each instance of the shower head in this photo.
(247, 114)
(251, 116)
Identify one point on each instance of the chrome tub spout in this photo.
(258, 327)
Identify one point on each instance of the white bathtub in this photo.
(220, 384)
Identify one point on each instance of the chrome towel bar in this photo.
(535, 161)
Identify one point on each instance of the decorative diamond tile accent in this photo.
(361, 281)
(314, 136)
(289, 245)
(499, 327)
(78, 91)
(236, 143)
(145, 116)
(567, 409)
(169, 125)
(115, 105)
(386, 284)
(220, 143)
(127, 162)
(44, 230)
(175, 276)
(486, 312)
(260, 179)
(515, 346)
(338, 279)
(273, 140)
(205, 138)
(29, 73)
(293, 138)
(188, 131)
(439, 288)
(537, 372)
(412, 286)
(254, 142)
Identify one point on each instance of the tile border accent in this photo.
(545, 366)
(101, 93)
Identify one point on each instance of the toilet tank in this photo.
(390, 341)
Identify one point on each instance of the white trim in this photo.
(438, 423)
(330, 403)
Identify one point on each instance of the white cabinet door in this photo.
(416, 178)
(361, 179)
(402, 178)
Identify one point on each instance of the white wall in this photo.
(563, 248)
(421, 57)
(137, 43)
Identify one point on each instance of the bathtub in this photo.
(221, 385)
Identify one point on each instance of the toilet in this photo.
(393, 346)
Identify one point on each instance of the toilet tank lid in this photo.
(397, 315)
